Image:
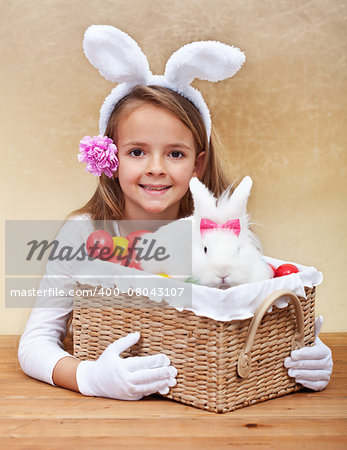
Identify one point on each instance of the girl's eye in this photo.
(176, 154)
(205, 249)
(136, 152)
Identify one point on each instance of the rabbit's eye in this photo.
(205, 249)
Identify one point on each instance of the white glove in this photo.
(125, 378)
(311, 366)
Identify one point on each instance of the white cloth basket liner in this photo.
(235, 303)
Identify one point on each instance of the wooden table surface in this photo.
(35, 415)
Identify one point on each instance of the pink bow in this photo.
(233, 225)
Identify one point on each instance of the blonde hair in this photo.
(107, 203)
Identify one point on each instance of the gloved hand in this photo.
(125, 378)
(311, 366)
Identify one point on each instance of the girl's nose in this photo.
(156, 166)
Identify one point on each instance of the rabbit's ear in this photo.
(115, 54)
(239, 198)
(204, 200)
(206, 60)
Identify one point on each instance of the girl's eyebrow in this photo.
(133, 143)
(180, 144)
(143, 144)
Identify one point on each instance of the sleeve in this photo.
(41, 345)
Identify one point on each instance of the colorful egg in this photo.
(121, 243)
(285, 269)
(100, 244)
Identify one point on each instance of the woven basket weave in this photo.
(221, 366)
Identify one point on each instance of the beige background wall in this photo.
(281, 117)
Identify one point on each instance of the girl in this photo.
(163, 140)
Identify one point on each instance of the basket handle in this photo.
(245, 362)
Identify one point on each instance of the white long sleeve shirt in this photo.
(41, 345)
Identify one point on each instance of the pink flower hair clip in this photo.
(100, 154)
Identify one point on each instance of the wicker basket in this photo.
(221, 366)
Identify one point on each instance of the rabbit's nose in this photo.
(223, 277)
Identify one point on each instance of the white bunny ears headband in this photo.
(119, 59)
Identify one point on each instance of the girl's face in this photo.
(156, 154)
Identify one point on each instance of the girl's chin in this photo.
(155, 209)
(161, 209)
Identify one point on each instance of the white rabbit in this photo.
(228, 254)
(224, 251)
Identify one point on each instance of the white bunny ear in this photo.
(206, 60)
(115, 54)
(204, 200)
(239, 198)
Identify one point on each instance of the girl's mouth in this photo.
(154, 189)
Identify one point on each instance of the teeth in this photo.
(156, 189)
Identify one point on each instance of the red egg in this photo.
(131, 237)
(285, 269)
(134, 234)
(100, 244)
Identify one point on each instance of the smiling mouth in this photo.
(154, 188)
